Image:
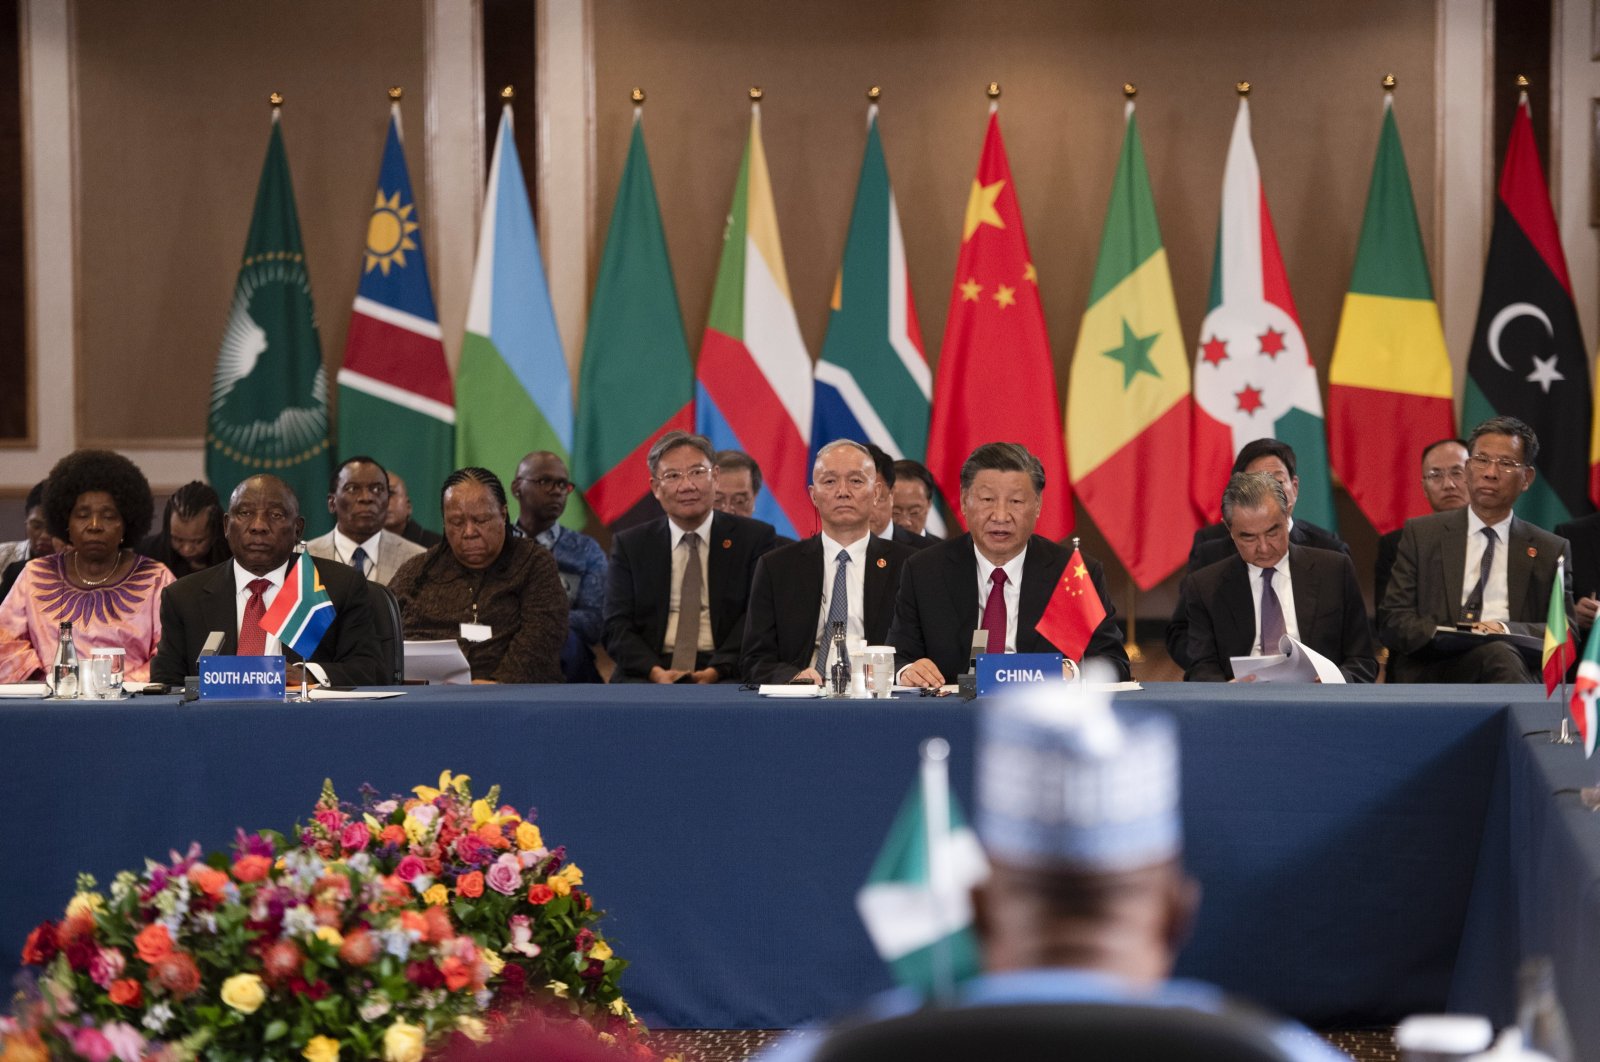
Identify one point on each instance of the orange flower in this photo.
(359, 948)
(23, 1047)
(176, 973)
(492, 835)
(457, 974)
(540, 894)
(438, 925)
(74, 928)
(393, 834)
(414, 920)
(154, 943)
(208, 880)
(125, 993)
(470, 884)
(251, 868)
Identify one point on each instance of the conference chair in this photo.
(391, 640)
(1082, 1032)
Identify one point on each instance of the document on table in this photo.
(319, 693)
(1295, 662)
(441, 662)
(24, 689)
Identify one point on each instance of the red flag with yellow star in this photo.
(1074, 610)
(996, 380)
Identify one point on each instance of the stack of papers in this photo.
(1294, 662)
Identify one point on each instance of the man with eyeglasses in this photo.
(1477, 568)
(1444, 484)
(678, 586)
(358, 498)
(542, 486)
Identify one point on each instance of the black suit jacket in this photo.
(1329, 613)
(1212, 544)
(936, 610)
(1583, 538)
(198, 604)
(786, 598)
(1388, 546)
(639, 592)
(911, 539)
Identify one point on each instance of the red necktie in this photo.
(252, 636)
(994, 611)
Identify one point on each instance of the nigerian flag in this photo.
(513, 390)
(269, 393)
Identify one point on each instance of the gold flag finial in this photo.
(276, 99)
(395, 92)
(1242, 88)
(755, 93)
(1388, 82)
(993, 91)
(508, 93)
(1522, 81)
(873, 93)
(637, 96)
(1129, 89)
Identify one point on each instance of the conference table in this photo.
(1364, 853)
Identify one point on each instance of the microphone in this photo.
(212, 644)
(967, 682)
(191, 683)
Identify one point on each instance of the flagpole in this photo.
(993, 92)
(1562, 734)
(935, 753)
(395, 92)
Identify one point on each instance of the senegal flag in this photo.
(1390, 374)
(1128, 402)
(1559, 648)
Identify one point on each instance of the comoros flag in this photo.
(301, 613)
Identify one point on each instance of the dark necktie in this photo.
(994, 612)
(1272, 626)
(253, 636)
(1472, 611)
(358, 560)
(838, 614)
(686, 641)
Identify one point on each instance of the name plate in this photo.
(999, 671)
(241, 678)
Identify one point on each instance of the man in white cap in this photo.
(1087, 900)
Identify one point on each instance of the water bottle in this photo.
(839, 671)
(64, 672)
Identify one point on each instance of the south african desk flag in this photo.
(301, 613)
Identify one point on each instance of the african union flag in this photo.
(301, 613)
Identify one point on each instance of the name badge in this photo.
(999, 671)
(476, 632)
(241, 678)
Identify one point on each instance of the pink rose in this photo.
(410, 869)
(355, 837)
(91, 1044)
(330, 820)
(505, 876)
(471, 849)
(106, 966)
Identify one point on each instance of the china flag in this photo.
(996, 381)
(1073, 611)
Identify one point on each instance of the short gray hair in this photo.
(1002, 457)
(674, 439)
(842, 444)
(1252, 490)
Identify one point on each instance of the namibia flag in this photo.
(301, 613)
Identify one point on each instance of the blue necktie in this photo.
(358, 560)
(838, 613)
(1472, 611)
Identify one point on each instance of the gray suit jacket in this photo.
(393, 551)
(1426, 584)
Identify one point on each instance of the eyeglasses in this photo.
(672, 477)
(551, 483)
(1482, 462)
(1455, 474)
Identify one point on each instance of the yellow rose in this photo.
(559, 885)
(473, 1028)
(494, 961)
(321, 1049)
(571, 873)
(558, 987)
(601, 951)
(89, 903)
(244, 993)
(415, 829)
(331, 935)
(403, 1042)
(436, 896)
(618, 1006)
(529, 837)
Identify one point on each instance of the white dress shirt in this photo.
(241, 583)
(1013, 589)
(855, 583)
(344, 550)
(1496, 595)
(1283, 586)
(680, 561)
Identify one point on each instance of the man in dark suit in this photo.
(881, 520)
(938, 607)
(850, 574)
(1444, 482)
(1583, 537)
(913, 494)
(1479, 567)
(678, 585)
(262, 525)
(1244, 604)
(1213, 543)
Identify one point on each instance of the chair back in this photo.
(391, 639)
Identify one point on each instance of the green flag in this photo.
(269, 393)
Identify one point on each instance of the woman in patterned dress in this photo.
(99, 503)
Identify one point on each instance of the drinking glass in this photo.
(106, 672)
(880, 669)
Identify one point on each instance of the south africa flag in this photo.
(301, 613)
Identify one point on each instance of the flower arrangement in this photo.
(374, 931)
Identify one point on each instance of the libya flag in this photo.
(1128, 402)
(1528, 359)
(269, 393)
(635, 334)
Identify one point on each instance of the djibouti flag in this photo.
(301, 613)
(924, 935)
(513, 389)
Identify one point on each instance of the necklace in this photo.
(77, 573)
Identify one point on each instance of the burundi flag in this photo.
(923, 930)
(635, 334)
(1254, 374)
(873, 382)
(269, 393)
(1528, 359)
(1560, 649)
(1129, 410)
(513, 390)
(753, 383)
(395, 399)
(1390, 374)
(301, 613)
(996, 380)
(1586, 690)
